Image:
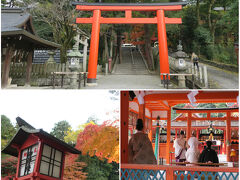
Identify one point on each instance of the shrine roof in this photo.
(22, 135)
(16, 25)
(205, 109)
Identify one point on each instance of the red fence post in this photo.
(93, 56)
(162, 43)
(124, 126)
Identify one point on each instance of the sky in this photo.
(42, 109)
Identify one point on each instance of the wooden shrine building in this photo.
(19, 40)
(161, 103)
(155, 108)
(40, 155)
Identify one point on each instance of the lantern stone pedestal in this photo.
(74, 63)
(179, 65)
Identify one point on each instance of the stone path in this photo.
(132, 74)
(219, 78)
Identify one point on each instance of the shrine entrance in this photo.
(128, 8)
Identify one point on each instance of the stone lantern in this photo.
(74, 57)
(179, 64)
(40, 155)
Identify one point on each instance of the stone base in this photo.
(91, 84)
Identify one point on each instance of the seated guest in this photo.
(192, 153)
(208, 155)
(180, 148)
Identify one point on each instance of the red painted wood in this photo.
(29, 142)
(168, 136)
(93, 56)
(228, 136)
(124, 125)
(133, 8)
(33, 139)
(162, 43)
(128, 20)
(38, 158)
(189, 124)
(128, 14)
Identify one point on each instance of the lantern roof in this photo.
(25, 131)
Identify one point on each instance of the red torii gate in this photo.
(96, 20)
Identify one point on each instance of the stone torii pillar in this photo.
(85, 43)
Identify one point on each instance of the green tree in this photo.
(60, 129)
(99, 169)
(7, 130)
(92, 119)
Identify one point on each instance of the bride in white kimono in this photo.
(193, 152)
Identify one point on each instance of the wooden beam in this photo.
(124, 8)
(202, 97)
(206, 118)
(219, 110)
(128, 20)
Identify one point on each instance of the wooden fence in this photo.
(40, 74)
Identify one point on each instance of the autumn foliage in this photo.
(8, 167)
(100, 140)
(74, 171)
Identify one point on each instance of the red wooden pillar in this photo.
(142, 115)
(93, 56)
(29, 68)
(150, 132)
(6, 67)
(189, 125)
(228, 136)
(18, 163)
(124, 125)
(63, 164)
(224, 141)
(197, 133)
(38, 158)
(162, 43)
(168, 136)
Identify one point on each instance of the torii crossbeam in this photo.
(96, 20)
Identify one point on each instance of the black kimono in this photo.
(208, 155)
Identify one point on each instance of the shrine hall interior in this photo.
(173, 111)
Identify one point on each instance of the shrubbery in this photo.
(9, 167)
(99, 169)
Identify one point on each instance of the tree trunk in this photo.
(147, 47)
(106, 48)
(198, 13)
(119, 43)
(111, 43)
(211, 27)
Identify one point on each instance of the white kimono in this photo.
(179, 144)
(192, 153)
